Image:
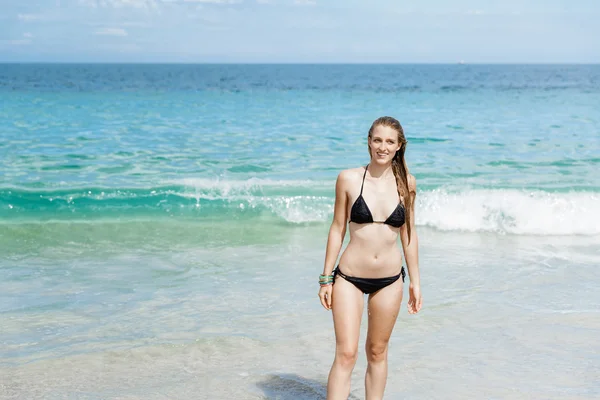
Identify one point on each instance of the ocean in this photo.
(162, 228)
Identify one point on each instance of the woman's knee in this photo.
(346, 357)
(376, 351)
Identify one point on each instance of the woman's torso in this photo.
(373, 250)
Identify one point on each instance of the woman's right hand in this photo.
(325, 296)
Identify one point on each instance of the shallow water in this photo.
(161, 228)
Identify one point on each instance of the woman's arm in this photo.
(411, 252)
(337, 231)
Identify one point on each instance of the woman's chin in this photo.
(381, 161)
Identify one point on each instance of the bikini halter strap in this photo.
(363, 181)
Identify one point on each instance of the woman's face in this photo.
(383, 144)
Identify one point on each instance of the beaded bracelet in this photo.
(325, 280)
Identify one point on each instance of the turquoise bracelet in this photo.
(325, 279)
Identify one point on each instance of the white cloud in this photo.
(27, 35)
(214, 1)
(122, 24)
(111, 32)
(155, 6)
(475, 12)
(305, 2)
(135, 24)
(146, 4)
(30, 17)
(15, 42)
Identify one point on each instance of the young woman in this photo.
(378, 201)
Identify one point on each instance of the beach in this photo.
(162, 228)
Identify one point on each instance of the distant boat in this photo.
(461, 62)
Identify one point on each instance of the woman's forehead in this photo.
(385, 132)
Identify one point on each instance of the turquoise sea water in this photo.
(159, 218)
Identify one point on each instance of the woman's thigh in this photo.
(383, 309)
(347, 307)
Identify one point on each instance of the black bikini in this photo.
(360, 214)
(369, 285)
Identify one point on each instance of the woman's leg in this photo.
(347, 307)
(383, 307)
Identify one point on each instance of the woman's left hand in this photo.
(414, 299)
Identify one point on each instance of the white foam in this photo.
(510, 211)
(301, 209)
(226, 185)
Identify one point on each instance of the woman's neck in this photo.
(380, 171)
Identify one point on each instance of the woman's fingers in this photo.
(325, 297)
(322, 298)
(414, 305)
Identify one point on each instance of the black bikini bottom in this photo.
(369, 285)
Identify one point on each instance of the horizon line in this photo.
(461, 63)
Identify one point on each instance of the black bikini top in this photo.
(360, 213)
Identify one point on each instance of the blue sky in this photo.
(375, 31)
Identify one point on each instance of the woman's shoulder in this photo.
(351, 174)
(350, 177)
